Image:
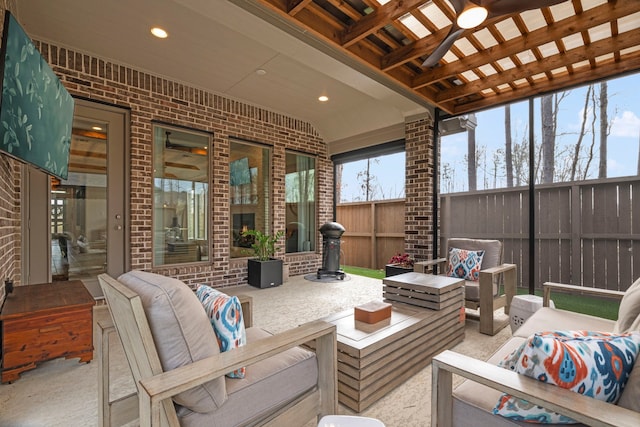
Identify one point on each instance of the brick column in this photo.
(419, 222)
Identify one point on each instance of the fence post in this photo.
(576, 235)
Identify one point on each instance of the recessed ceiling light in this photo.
(323, 98)
(159, 33)
(261, 72)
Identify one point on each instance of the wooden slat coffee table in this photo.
(375, 358)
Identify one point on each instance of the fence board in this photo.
(586, 232)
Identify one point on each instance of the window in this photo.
(180, 196)
(372, 173)
(249, 193)
(589, 132)
(300, 195)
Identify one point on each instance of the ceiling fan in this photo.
(471, 13)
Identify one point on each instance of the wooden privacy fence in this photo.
(374, 232)
(586, 233)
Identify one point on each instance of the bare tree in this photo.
(471, 158)
(508, 157)
(448, 177)
(368, 181)
(638, 153)
(497, 160)
(338, 183)
(585, 174)
(548, 139)
(604, 129)
(550, 107)
(578, 146)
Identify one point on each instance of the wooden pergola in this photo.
(505, 59)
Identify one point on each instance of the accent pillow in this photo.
(596, 364)
(465, 264)
(225, 314)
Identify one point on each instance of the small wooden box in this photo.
(372, 312)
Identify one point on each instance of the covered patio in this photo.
(250, 72)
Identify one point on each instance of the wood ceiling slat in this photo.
(566, 81)
(621, 41)
(377, 19)
(555, 31)
(295, 6)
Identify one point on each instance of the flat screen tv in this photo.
(36, 111)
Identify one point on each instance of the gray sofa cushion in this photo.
(553, 319)
(629, 311)
(472, 290)
(181, 332)
(268, 384)
(492, 249)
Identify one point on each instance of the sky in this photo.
(623, 144)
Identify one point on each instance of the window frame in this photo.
(200, 247)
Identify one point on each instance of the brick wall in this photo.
(9, 205)
(151, 97)
(419, 188)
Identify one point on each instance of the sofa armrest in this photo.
(425, 266)
(155, 389)
(547, 287)
(577, 406)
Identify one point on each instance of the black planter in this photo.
(394, 270)
(264, 274)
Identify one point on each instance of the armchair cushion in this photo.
(629, 310)
(591, 363)
(465, 264)
(267, 385)
(225, 314)
(492, 249)
(181, 332)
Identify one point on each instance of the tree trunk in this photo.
(578, 146)
(338, 184)
(604, 130)
(548, 139)
(508, 156)
(471, 158)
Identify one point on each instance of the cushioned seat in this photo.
(267, 384)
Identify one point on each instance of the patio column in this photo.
(419, 187)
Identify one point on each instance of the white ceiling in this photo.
(218, 46)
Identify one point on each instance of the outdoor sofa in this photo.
(472, 402)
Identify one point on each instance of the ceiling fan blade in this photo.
(444, 47)
(458, 5)
(506, 7)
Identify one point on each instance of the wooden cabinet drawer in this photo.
(41, 338)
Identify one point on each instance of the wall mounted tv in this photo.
(36, 111)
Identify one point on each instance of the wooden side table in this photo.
(44, 322)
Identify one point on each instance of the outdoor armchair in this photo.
(156, 317)
(485, 293)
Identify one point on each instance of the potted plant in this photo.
(264, 270)
(398, 264)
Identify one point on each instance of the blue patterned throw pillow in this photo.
(596, 364)
(225, 314)
(465, 264)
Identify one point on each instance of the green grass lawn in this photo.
(599, 307)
